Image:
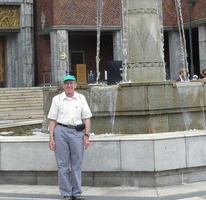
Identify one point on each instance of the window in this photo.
(77, 57)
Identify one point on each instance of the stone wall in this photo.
(170, 16)
(133, 160)
(144, 107)
(83, 13)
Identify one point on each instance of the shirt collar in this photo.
(75, 96)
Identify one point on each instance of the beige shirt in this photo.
(69, 111)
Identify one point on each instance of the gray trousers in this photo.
(69, 156)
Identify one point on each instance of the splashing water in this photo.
(183, 55)
(161, 31)
(194, 92)
(124, 39)
(103, 99)
(99, 25)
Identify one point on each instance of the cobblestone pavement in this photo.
(192, 191)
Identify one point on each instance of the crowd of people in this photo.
(183, 75)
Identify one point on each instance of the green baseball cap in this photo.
(69, 77)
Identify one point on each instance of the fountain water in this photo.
(107, 109)
(144, 48)
(194, 92)
(183, 52)
(124, 39)
(100, 4)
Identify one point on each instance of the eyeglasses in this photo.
(69, 83)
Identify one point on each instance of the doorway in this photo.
(2, 62)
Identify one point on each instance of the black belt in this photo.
(68, 126)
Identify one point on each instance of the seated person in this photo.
(203, 74)
(195, 77)
(183, 75)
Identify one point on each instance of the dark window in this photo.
(77, 57)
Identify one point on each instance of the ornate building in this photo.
(16, 43)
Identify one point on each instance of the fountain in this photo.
(151, 118)
(146, 103)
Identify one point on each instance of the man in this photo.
(68, 110)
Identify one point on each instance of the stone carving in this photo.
(9, 17)
(145, 64)
(143, 10)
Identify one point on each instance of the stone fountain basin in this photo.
(134, 160)
(133, 108)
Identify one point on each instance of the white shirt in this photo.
(69, 111)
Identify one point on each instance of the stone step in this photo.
(22, 117)
(21, 106)
(20, 96)
(13, 91)
(19, 100)
(20, 112)
(12, 104)
(10, 89)
(17, 123)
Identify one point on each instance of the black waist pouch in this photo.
(80, 127)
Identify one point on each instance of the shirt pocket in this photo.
(78, 110)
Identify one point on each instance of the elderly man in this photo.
(69, 127)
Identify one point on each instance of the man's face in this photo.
(69, 86)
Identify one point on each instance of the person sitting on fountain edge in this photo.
(69, 127)
(203, 74)
(183, 75)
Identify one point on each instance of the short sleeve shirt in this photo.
(69, 111)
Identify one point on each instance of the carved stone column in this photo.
(59, 55)
(145, 45)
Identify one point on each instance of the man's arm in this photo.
(87, 123)
(52, 125)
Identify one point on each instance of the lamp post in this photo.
(191, 2)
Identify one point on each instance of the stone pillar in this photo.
(19, 50)
(117, 45)
(202, 46)
(59, 55)
(25, 44)
(12, 62)
(145, 45)
(175, 54)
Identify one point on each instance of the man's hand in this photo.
(52, 125)
(86, 142)
(52, 145)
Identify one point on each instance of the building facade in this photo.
(66, 35)
(42, 40)
(16, 43)
(196, 18)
